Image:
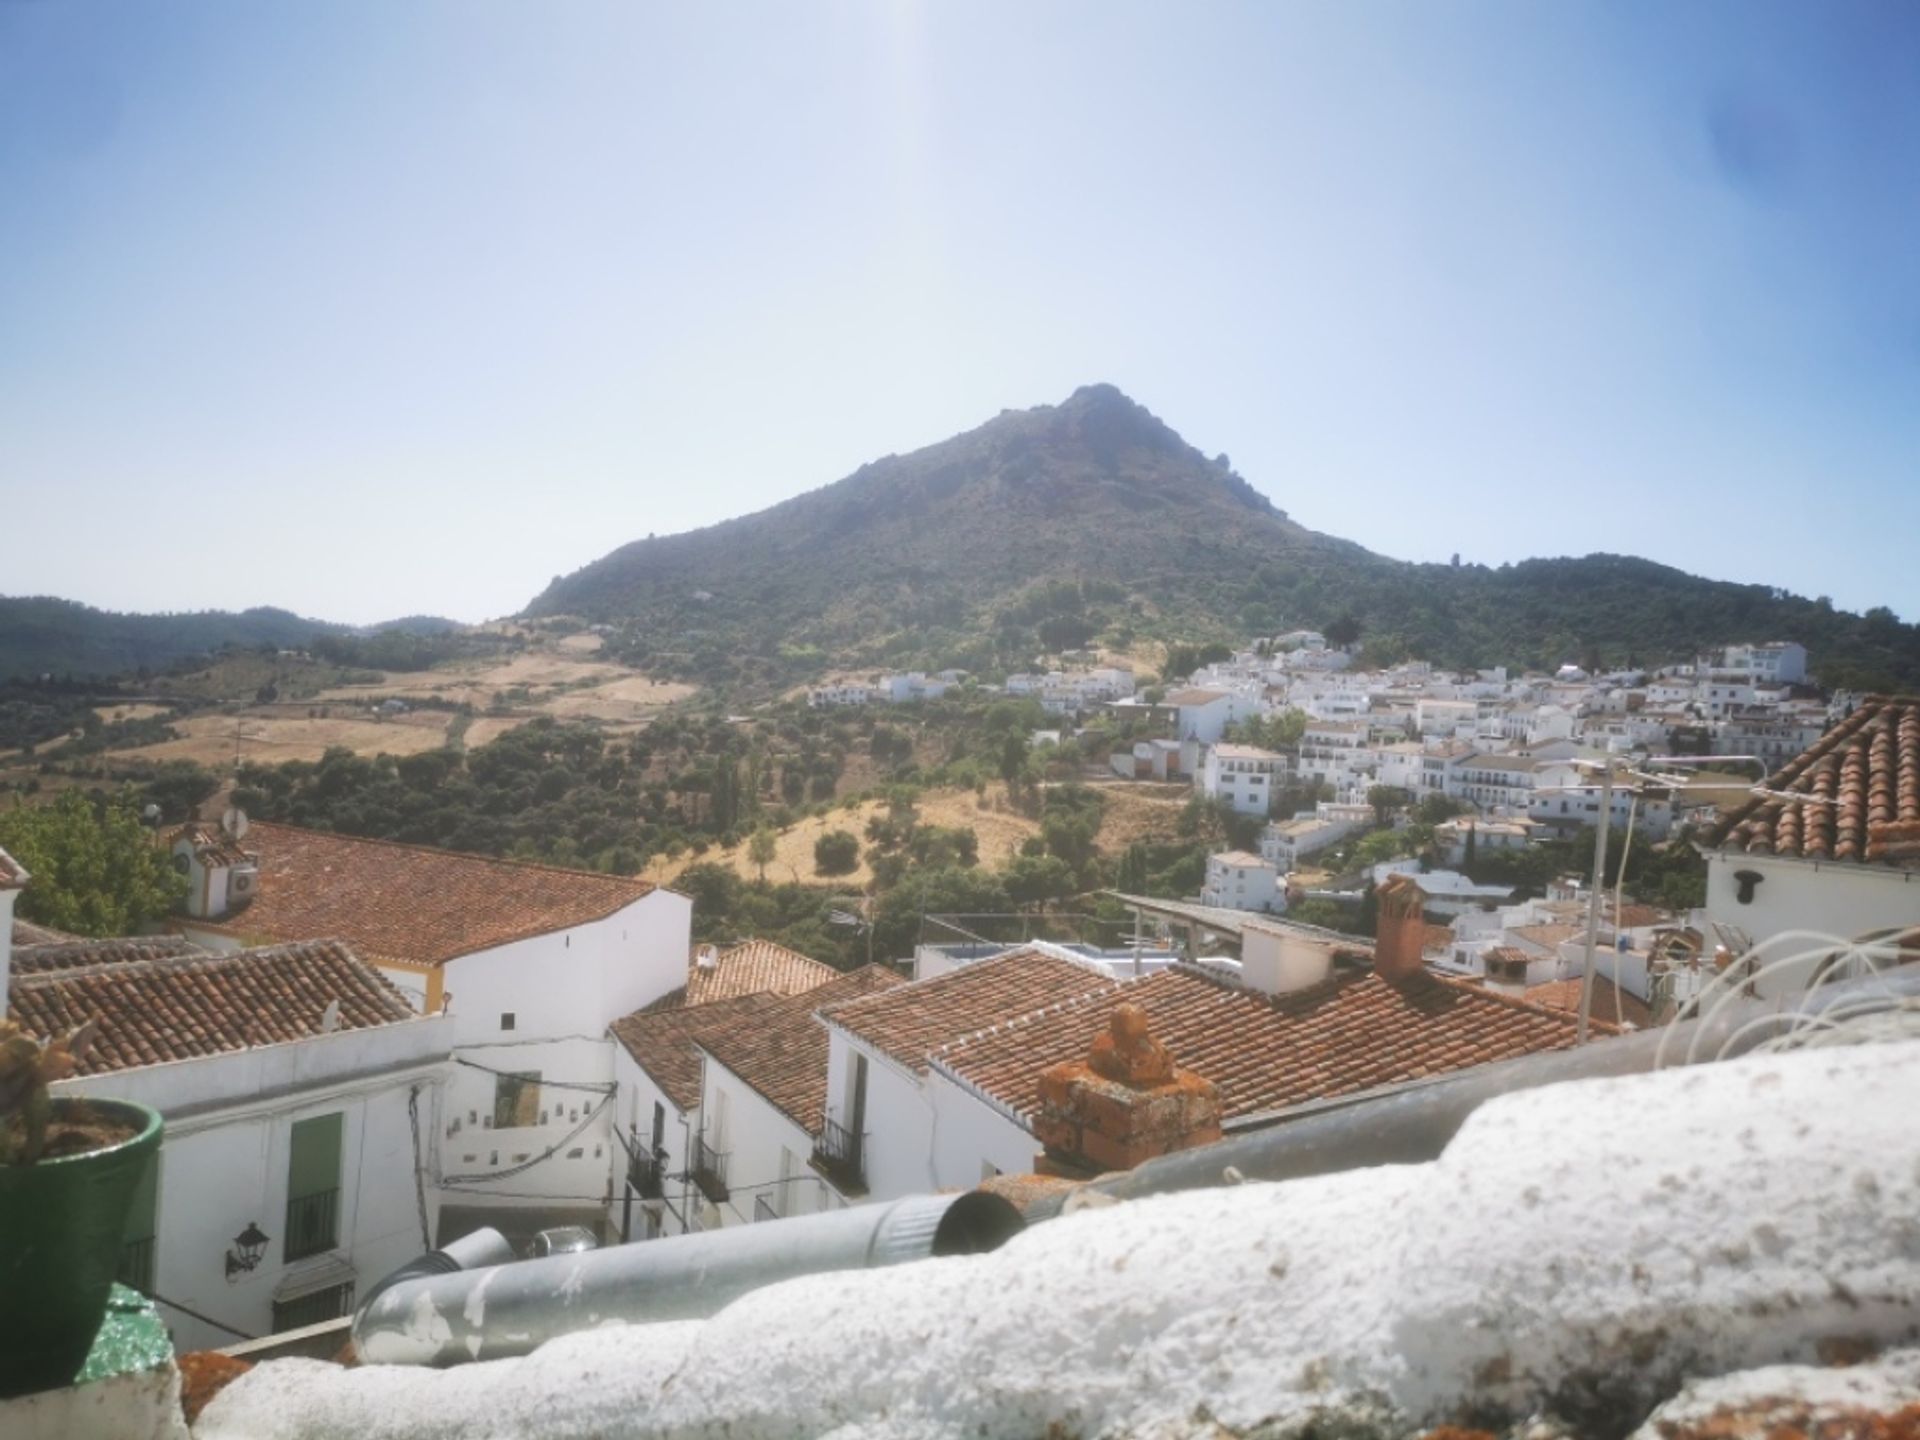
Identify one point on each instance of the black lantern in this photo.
(251, 1244)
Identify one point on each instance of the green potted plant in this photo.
(68, 1171)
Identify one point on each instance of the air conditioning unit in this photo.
(242, 881)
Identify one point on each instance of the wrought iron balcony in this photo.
(312, 1224)
(643, 1174)
(840, 1154)
(136, 1265)
(710, 1169)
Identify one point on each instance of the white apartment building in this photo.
(1778, 662)
(1238, 880)
(822, 697)
(1287, 844)
(1245, 776)
(1204, 714)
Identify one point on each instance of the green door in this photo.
(313, 1186)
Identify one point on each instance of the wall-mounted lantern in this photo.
(250, 1245)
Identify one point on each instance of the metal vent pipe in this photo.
(419, 1317)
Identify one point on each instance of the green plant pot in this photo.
(62, 1223)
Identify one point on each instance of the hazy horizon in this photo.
(371, 310)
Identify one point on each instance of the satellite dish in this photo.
(234, 822)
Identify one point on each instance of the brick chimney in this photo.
(1402, 933)
(1125, 1103)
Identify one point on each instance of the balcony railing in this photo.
(312, 1224)
(710, 1169)
(840, 1154)
(643, 1174)
(136, 1265)
(763, 1209)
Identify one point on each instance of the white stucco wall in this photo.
(899, 1119)
(757, 1131)
(562, 991)
(1836, 898)
(637, 1096)
(224, 1160)
(970, 1133)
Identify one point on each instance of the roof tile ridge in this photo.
(1515, 1002)
(444, 852)
(1027, 1018)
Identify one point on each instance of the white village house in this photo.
(659, 1071)
(1245, 776)
(299, 1091)
(531, 962)
(1832, 846)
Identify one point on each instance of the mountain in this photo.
(41, 635)
(1092, 519)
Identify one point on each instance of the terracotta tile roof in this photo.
(1352, 1033)
(411, 903)
(185, 1006)
(79, 954)
(1852, 795)
(1565, 995)
(1546, 936)
(911, 1022)
(212, 844)
(748, 968)
(781, 1050)
(25, 932)
(1193, 697)
(662, 1042)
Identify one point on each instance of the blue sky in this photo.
(375, 308)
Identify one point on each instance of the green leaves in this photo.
(96, 869)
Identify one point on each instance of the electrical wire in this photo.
(589, 1087)
(419, 1167)
(203, 1319)
(540, 1159)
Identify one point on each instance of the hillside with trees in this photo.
(1094, 522)
(40, 635)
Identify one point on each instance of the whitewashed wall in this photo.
(899, 1123)
(224, 1159)
(1842, 899)
(562, 990)
(757, 1132)
(971, 1133)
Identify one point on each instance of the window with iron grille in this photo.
(333, 1303)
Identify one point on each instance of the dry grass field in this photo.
(273, 738)
(631, 700)
(1129, 816)
(134, 710)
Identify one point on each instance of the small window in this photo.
(506, 1019)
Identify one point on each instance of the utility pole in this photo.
(1593, 897)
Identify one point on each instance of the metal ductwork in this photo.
(429, 1314)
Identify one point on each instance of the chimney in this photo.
(1402, 932)
(1279, 959)
(1125, 1103)
(707, 957)
(13, 877)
